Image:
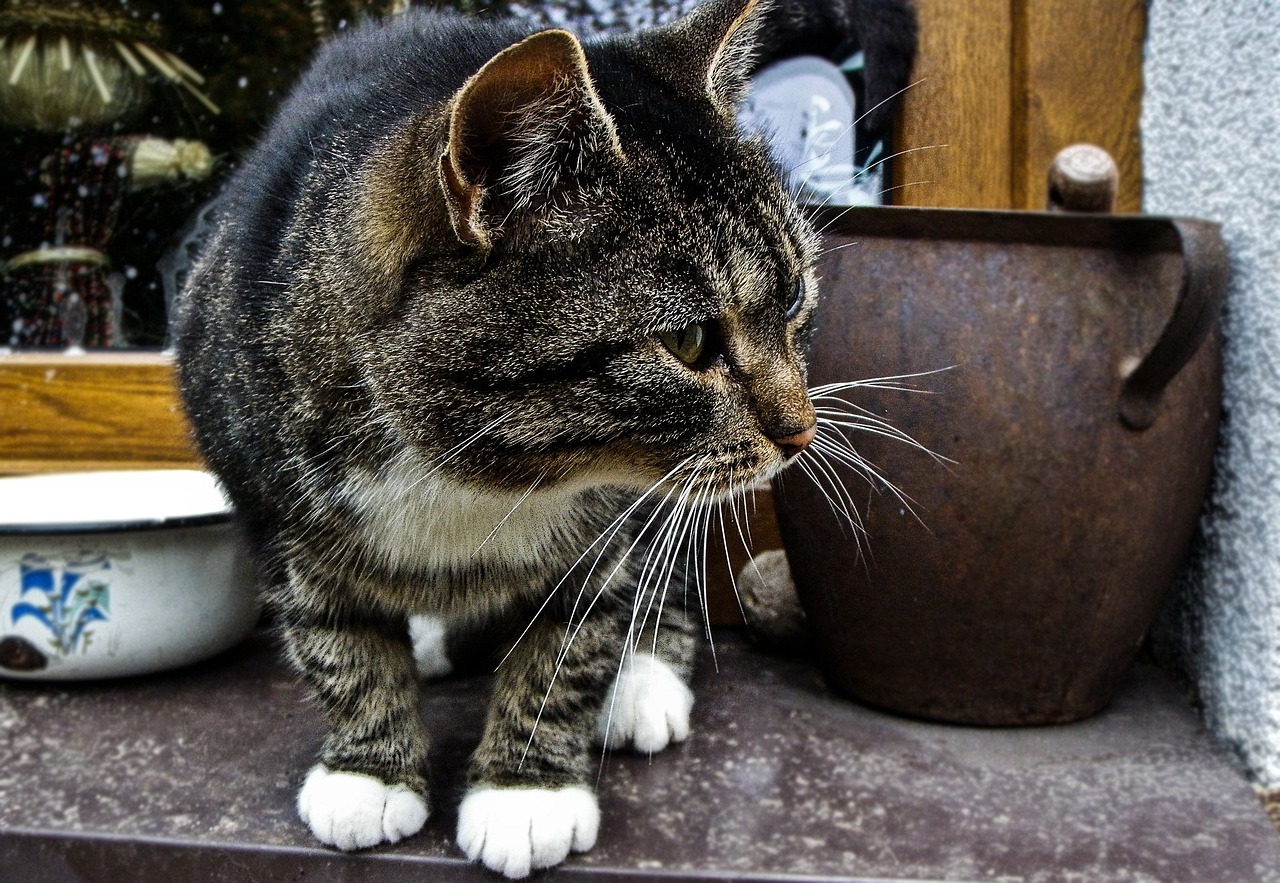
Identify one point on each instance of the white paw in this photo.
(647, 707)
(515, 830)
(427, 633)
(353, 811)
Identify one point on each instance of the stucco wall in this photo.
(1211, 142)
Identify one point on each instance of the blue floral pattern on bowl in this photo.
(67, 596)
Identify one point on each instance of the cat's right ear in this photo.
(523, 132)
(710, 54)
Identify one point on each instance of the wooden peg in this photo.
(1083, 178)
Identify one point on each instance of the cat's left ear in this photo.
(711, 53)
(524, 131)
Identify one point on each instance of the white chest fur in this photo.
(415, 517)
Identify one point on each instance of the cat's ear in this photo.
(524, 131)
(711, 52)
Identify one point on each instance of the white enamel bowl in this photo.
(105, 574)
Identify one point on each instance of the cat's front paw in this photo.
(516, 830)
(354, 811)
(647, 707)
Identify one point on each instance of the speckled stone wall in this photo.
(1209, 126)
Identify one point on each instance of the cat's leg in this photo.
(529, 801)
(368, 787)
(648, 705)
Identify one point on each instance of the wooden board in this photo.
(954, 126)
(95, 411)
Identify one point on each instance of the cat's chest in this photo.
(412, 517)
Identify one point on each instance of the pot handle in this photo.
(1204, 283)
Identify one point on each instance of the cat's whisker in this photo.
(857, 527)
(883, 101)
(792, 174)
(835, 218)
(660, 561)
(676, 534)
(841, 415)
(896, 155)
(497, 527)
(607, 535)
(624, 560)
(814, 465)
(841, 247)
(728, 559)
(658, 595)
(888, 382)
(873, 426)
(703, 543)
(844, 453)
(658, 566)
(457, 450)
(684, 536)
(835, 447)
(574, 623)
(818, 461)
(686, 544)
(743, 525)
(861, 537)
(903, 186)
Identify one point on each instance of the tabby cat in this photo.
(487, 320)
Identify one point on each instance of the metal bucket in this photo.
(1079, 409)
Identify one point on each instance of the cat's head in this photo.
(616, 287)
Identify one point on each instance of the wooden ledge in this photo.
(92, 411)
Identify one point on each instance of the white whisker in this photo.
(883, 101)
(458, 449)
(889, 382)
(814, 465)
(497, 527)
(844, 453)
(728, 559)
(607, 535)
(874, 426)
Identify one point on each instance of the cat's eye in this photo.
(796, 298)
(687, 343)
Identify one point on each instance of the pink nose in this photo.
(792, 445)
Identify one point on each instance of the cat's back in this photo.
(361, 86)
(378, 74)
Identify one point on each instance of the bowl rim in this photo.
(101, 522)
(134, 525)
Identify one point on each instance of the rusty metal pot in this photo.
(1080, 411)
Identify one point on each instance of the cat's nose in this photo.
(793, 444)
